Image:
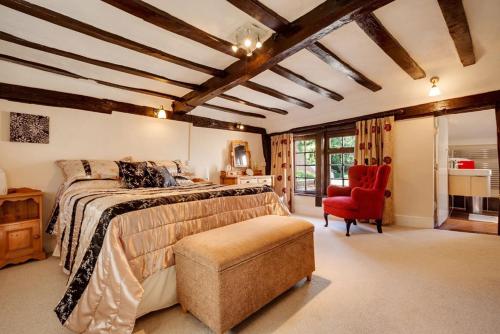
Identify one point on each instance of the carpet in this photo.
(402, 281)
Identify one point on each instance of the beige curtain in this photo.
(282, 166)
(374, 146)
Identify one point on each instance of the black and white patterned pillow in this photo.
(133, 174)
(167, 178)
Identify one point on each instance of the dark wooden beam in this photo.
(170, 23)
(323, 53)
(251, 104)
(470, 103)
(233, 111)
(52, 98)
(261, 13)
(63, 72)
(301, 81)
(301, 33)
(84, 28)
(125, 69)
(276, 22)
(456, 20)
(384, 39)
(272, 92)
(13, 39)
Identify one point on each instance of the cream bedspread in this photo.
(111, 239)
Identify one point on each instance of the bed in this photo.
(116, 244)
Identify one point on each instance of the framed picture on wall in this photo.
(28, 128)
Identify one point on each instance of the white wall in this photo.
(473, 128)
(414, 172)
(413, 175)
(77, 134)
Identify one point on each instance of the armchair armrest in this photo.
(333, 191)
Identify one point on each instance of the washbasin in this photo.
(469, 172)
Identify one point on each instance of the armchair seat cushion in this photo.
(340, 202)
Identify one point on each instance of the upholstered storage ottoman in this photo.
(226, 274)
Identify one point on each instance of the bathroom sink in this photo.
(469, 172)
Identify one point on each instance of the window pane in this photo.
(300, 159)
(335, 142)
(310, 158)
(348, 141)
(336, 171)
(335, 158)
(300, 172)
(336, 182)
(310, 185)
(346, 172)
(311, 172)
(310, 145)
(300, 184)
(348, 158)
(299, 146)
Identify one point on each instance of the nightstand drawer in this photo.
(20, 239)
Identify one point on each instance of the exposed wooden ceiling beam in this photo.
(272, 92)
(323, 53)
(276, 22)
(125, 69)
(301, 33)
(13, 39)
(300, 80)
(233, 111)
(84, 28)
(52, 98)
(456, 20)
(170, 23)
(251, 104)
(59, 71)
(261, 13)
(384, 39)
(63, 72)
(470, 103)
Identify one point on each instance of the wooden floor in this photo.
(464, 225)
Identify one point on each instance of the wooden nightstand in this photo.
(21, 226)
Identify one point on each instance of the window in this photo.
(305, 165)
(340, 152)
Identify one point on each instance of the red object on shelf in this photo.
(466, 164)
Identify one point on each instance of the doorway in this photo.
(467, 172)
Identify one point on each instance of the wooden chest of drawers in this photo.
(245, 179)
(21, 226)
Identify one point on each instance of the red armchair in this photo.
(363, 199)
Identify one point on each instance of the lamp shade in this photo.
(161, 114)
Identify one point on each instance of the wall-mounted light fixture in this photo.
(434, 91)
(161, 113)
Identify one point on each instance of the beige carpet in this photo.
(403, 281)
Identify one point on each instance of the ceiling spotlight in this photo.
(247, 42)
(234, 48)
(161, 113)
(240, 126)
(434, 91)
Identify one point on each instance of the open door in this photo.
(441, 171)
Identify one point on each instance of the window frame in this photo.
(341, 150)
(317, 165)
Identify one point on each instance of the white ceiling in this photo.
(417, 24)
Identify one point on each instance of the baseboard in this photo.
(414, 221)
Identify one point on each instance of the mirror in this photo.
(240, 154)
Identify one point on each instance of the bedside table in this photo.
(21, 226)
